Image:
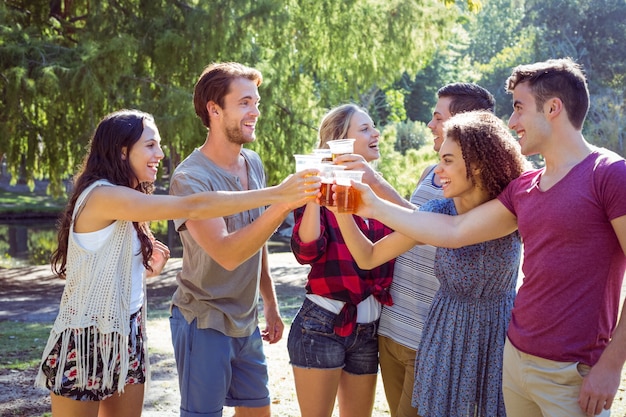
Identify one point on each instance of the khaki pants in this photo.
(397, 366)
(537, 387)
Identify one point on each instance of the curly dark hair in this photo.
(487, 146)
(103, 161)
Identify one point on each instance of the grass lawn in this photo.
(18, 205)
(22, 343)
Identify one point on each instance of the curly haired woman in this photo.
(459, 362)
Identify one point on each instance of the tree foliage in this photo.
(450, 63)
(591, 31)
(607, 121)
(505, 33)
(411, 135)
(403, 169)
(66, 64)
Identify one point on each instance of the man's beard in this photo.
(235, 135)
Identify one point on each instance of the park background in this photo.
(64, 64)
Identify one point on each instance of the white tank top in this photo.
(93, 241)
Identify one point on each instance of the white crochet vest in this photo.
(96, 296)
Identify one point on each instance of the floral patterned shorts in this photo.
(94, 391)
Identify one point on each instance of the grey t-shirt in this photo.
(219, 299)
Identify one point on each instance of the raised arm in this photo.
(310, 224)
(374, 179)
(369, 255)
(232, 249)
(109, 203)
(488, 221)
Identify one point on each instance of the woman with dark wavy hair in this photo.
(95, 360)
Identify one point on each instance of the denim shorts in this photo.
(215, 370)
(313, 343)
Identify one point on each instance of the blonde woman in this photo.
(332, 343)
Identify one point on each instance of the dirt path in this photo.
(32, 294)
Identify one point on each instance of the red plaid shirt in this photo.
(334, 273)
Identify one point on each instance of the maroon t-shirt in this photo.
(567, 306)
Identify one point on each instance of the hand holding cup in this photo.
(368, 200)
(327, 173)
(347, 197)
(340, 147)
(300, 188)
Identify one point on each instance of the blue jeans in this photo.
(313, 343)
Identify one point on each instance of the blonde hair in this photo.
(335, 124)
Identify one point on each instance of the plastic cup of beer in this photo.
(347, 197)
(341, 147)
(327, 174)
(307, 161)
(326, 154)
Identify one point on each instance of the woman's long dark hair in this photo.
(104, 162)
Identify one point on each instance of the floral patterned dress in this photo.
(458, 368)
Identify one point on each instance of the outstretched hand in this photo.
(300, 188)
(356, 162)
(368, 201)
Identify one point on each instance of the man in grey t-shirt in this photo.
(217, 343)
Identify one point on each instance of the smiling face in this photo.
(363, 130)
(240, 112)
(146, 153)
(530, 124)
(440, 115)
(452, 171)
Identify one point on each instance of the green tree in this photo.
(450, 63)
(606, 121)
(66, 64)
(403, 171)
(335, 52)
(591, 31)
(498, 43)
(411, 135)
(509, 33)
